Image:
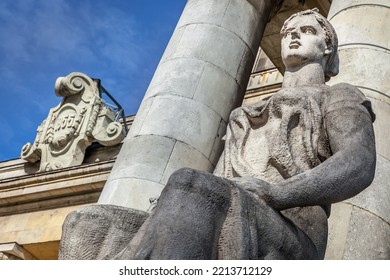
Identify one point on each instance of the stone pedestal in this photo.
(363, 222)
(200, 79)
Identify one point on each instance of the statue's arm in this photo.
(347, 172)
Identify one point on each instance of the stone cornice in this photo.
(13, 251)
(57, 188)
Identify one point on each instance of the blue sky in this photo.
(118, 41)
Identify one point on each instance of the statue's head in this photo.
(307, 36)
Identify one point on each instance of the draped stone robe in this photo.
(274, 140)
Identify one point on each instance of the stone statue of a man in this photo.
(286, 160)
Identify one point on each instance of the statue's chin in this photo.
(294, 60)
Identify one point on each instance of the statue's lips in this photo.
(294, 45)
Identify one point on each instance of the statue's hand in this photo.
(260, 189)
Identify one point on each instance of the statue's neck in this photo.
(307, 75)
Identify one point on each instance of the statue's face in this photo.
(303, 42)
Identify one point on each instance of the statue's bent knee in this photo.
(187, 184)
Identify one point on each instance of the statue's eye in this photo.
(288, 33)
(309, 30)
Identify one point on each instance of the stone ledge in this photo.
(13, 251)
(262, 80)
(65, 187)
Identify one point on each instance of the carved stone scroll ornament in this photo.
(79, 120)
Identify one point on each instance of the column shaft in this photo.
(360, 227)
(201, 77)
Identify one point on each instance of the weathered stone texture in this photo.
(340, 5)
(357, 234)
(99, 232)
(79, 120)
(142, 191)
(363, 28)
(381, 105)
(368, 237)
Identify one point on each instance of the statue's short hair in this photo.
(331, 40)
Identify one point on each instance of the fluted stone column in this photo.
(360, 227)
(201, 77)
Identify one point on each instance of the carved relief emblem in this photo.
(79, 120)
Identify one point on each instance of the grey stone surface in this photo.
(199, 80)
(99, 232)
(185, 119)
(368, 237)
(183, 76)
(131, 191)
(363, 27)
(223, 224)
(198, 42)
(248, 27)
(174, 42)
(150, 165)
(382, 133)
(187, 156)
(203, 11)
(142, 113)
(339, 225)
(217, 148)
(376, 78)
(245, 24)
(357, 234)
(376, 198)
(286, 159)
(227, 85)
(349, 22)
(339, 5)
(79, 120)
(372, 203)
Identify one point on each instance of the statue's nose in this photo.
(295, 34)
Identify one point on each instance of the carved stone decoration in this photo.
(79, 120)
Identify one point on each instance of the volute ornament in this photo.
(79, 120)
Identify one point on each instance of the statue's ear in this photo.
(328, 51)
(332, 64)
